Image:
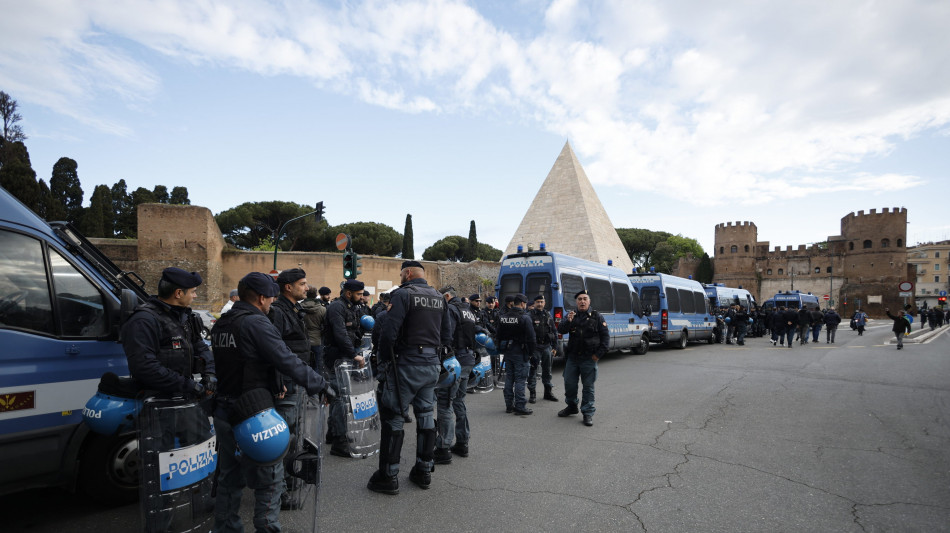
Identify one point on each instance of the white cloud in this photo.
(678, 98)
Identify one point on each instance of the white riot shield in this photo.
(178, 450)
(358, 389)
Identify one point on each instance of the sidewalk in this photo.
(920, 335)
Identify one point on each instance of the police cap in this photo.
(519, 298)
(475, 298)
(181, 278)
(408, 264)
(490, 299)
(325, 290)
(353, 285)
(539, 297)
(578, 295)
(365, 293)
(292, 275)
(509, 299)
(261, 284)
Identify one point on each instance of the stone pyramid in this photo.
(568, 218)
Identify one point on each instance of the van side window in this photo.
(622, 297)
(672, 300)
(700, 300)
(570, 285)
(686, 301)
(601, 296)
(635, 307)
(539, 284)
(80, 307)
(650, 297)
(510, 286)
(24, 291)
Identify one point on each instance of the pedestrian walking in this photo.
(832, 319)
(860, 321)
(901, 326)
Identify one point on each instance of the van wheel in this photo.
(681, 344)
(643, 347)
(109, 469)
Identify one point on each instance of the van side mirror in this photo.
(129, 301)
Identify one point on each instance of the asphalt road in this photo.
(846, 437)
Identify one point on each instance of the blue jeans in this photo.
(789, 336)
(516, 376)
(453, 417)
(234, 474)
(815, 332)
(416, 388)
(586, 370)
(740, 333)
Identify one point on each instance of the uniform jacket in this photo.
(287, 317)
(341, 332)
(516, 333)
(589, 335)
(544, 331)
(159, 332)
(415, 325)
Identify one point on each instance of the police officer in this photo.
(251, 355)
(740, 320)
(544, 351)
(341, 339)
(162, 339)
(409, 341)
(588, 342)
(453, 425)
(518, 341)
(288, 317)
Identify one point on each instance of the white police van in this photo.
(61, 306)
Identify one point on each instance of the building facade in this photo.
(860, 267)
(932, 261)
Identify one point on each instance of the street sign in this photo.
(342, 241)
(826, 297)
(273, 274)
(943, 293)
(906, 286)
(903, 294)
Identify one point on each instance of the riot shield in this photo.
(306, 465)
(178, 450)
(358, 388)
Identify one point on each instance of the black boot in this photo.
(568, 411)
(533, 397)
(548, 395)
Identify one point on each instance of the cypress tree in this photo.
(66, 189)
(704, 272)
(471, 248)
(407, 248)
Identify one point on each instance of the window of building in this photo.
(828, 270)
(780, 272)
(769, 271)
(936, 255)
(747, 248)
(733, 249)
(867, 243)
(817, 270)
(885, 243)
(900, 242)
(722, 249)
(936, 279)
(936, 266)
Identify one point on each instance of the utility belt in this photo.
(512, 345)
(426, 350)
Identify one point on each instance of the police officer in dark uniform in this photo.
(518, 341)
(452, 424)
(288, 317)
(543, 355)
(162, 339)
(341, 339)
(410, 345)
(251, 356)
(588, 342)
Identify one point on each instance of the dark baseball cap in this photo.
(261, 284)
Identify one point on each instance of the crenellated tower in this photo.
(734, 254)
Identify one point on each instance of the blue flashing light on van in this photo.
(62, 303)
(791, 300)
(559, 277)
(679, 311)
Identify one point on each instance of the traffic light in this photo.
(941, 300)
(358, 265)
(349, 265)
(318, 214)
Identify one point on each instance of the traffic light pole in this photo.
(319, 216)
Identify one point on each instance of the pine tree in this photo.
(160, 192)
(179, 196)
(407, 249)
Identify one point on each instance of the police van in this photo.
(721, 296)
(792, 300)
(61, 306)
(559, 277)
(679, 313)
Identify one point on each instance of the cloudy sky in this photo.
(684, 114)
